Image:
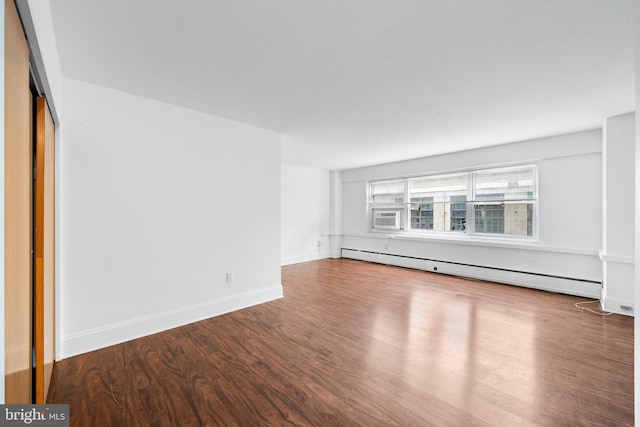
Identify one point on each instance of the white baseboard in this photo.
(615, 305)
(618, 280)
(535, 281)
(303, 258)
(98, 338)
(296, 259)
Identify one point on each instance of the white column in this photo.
(336, 213)
(618, 220)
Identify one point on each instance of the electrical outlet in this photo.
(229, 277)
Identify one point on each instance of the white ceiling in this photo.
(361, 82)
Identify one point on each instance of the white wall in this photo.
(305, 214)
(570, 218)
(158, 203)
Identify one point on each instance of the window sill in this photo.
(511, 243)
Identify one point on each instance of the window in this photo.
(439, 191)
(458, 213)
(489, 215)
(504, 201)
(387, 192)
(495, 202)
(422, 213)
(387, 205)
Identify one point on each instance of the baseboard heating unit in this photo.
(549, 282)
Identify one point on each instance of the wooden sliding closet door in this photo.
(44, 250)
(18, 152)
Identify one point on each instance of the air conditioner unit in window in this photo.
(387, 219)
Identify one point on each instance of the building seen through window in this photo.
(498, 202)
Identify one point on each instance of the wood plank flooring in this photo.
(360, 344)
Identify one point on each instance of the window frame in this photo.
(472, 201)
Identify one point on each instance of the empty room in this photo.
(320, 213)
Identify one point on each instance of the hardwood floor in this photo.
(360, 344)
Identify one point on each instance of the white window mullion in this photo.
(471, 196)
(407, 206)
